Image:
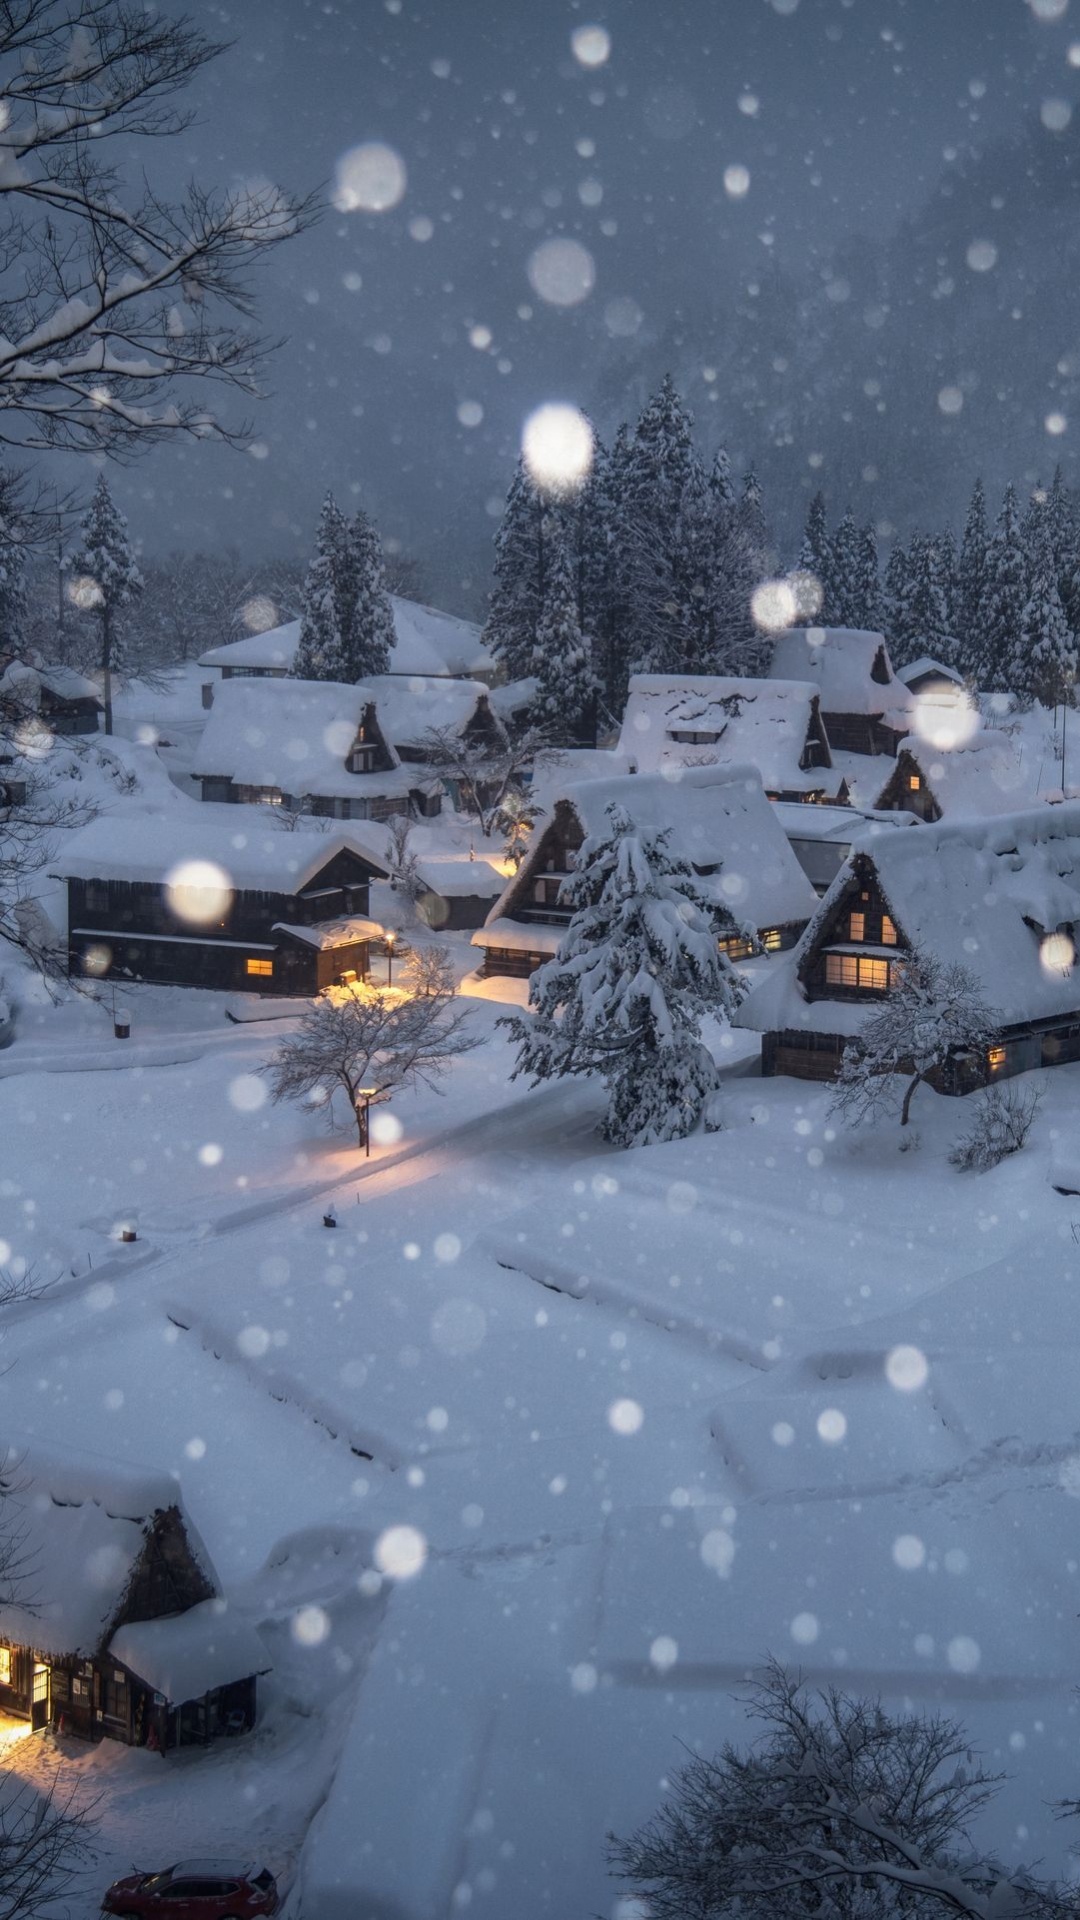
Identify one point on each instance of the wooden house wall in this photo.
(899, 795)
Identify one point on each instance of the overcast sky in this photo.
(843, 113)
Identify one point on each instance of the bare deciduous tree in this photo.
(486, 772)
(373, 1044)
(838, 1810)
(114, 301)
(935, 1013)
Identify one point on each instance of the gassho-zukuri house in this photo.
(1000, 897)
(116, 1628)
(865, 708)
(717, 818)
(307, 745)
(698, 720)
(199, 897)
(426, 642)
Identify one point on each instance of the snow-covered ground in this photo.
(524, 1464)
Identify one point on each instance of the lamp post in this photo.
(367, 1095)
(390, 938)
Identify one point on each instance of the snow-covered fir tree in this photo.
(611, 633)
(947, 563)
(815, 553)
(842, 606)
(518, 593)
(935, 1012)
(1005, 600)
(624, 997)
(870, 603)
(564, 705)
(972, 578)
(367, 614)
(104, 579)
(722, 485)
(921, 620)
(665, 537)
(752, 515)
(320, 653)
(1043, 666)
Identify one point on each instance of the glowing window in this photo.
(888, 931)
(851, 970)
(770, 939)
(858, 927)
(874, 973)
(5, 1666)
(914, 781)
(263, 968)
(995, 1059)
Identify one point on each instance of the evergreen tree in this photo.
(752, 516)
(611, 632)
(105, 579)
(367, 617)
(1006, 598)
(320, 654)
(637, 969)
(947, 565)
(871, 611)
(895, 596)
(972, 580)
(843, 587)
(518, 594)
(815, 554)
(922, 622)
(722, 485)
(665, 534)
(1043, 666)
(564, 706)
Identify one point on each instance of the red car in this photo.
(196, 1890)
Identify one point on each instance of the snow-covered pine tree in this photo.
(367, 617)
(870, 604)
(13, 564)
(752, 515)
(564, 708)
(815, 553)
(843, 601)
(894, 602)
(972, 581)
(104, 580)
(935, 1012)
(923, 622)
(1043, 666)
(518, 593)
(611, 638)
(320, 654)
(738, 563)
(722, 486)
(665, 539)
(1006, 598)
(948, 568)
(624, 997)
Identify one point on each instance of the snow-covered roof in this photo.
(295, 736)
(716, 817)
(408, 707)
(81, 1524)
(841, 662)
(924, 665)
(974, 893)
(25, 682)
(518, 936)
(425, 642)
(514, 696)
(990, 774)
(761, 722)
(461, 879)
(148, 846)
(184, 1655)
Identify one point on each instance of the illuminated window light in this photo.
(263, 968)
(858, 927)
(995, 1059)
(914, 782)
(888, 931)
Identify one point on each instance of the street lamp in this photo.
(390, 938)
(367, 1095)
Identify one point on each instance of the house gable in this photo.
(907, 790)
(858, 945)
